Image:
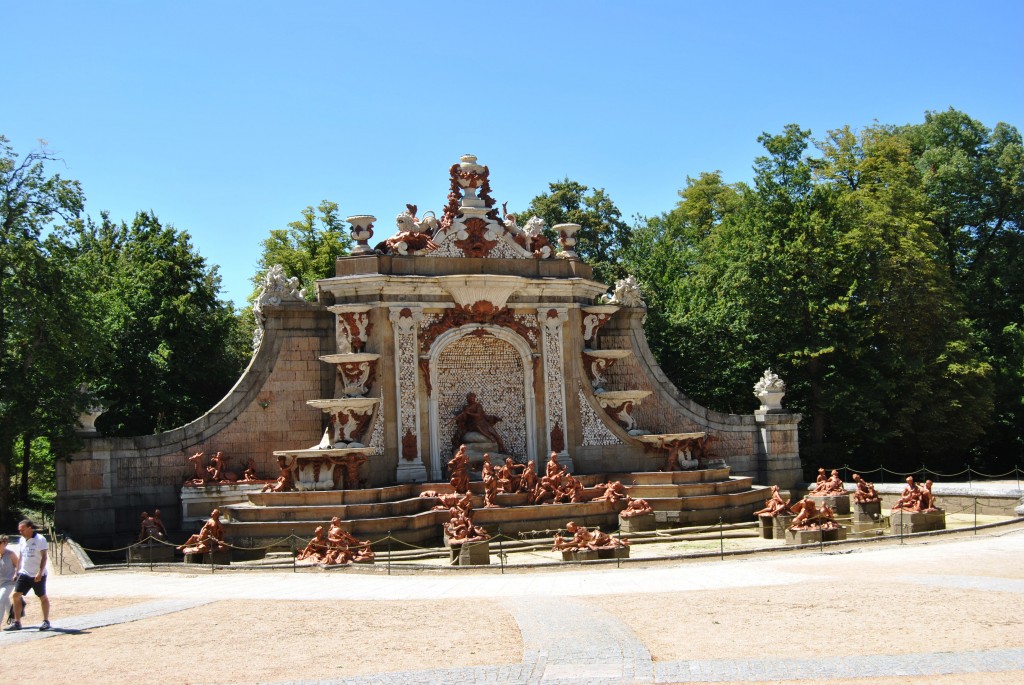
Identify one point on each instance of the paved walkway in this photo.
(581, 643)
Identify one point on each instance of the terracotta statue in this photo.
(910, 499)
(865, 492)
(285, 481)
(210, 537)
(584, 539)
(554, 471)
(460, 528)
(490, 483)
(774, 505)
(458, 469)
(151, 529)
(350, 464)
(809, 517)
(528, 477)
(249, 475)
(159, 522)
(473, 419)
(927, 498)
(343, 548)
(218, 471)
(508, 480)
(819, 483)
(613, 491)
(636, 507)
(200, 474)
(317, 547)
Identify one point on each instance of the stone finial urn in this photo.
(567, 240)
(362, 231)
(770, 390)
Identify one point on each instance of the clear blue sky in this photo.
(227, 118)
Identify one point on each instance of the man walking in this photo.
(31, 574)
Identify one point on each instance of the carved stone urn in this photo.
(770, 390)
(567, 239)
(362, 231)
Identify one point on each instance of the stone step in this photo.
(647, 491)
(669, 477)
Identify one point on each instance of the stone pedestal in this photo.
(780, 524)
(614, 553)
(637, 524)
(840, 504)
(810, 537)
(411, 472)
(222, 558)
(766, 526)
(867, 512)
(471, 553)
(581, 555)
(907, 522)
(152, 553)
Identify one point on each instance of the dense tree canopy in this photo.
(878, 274)
(171, 348)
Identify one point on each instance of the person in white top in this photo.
(31, 574)
(8, 574)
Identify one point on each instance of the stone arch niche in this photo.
(497, 365)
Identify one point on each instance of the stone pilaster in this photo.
(405, 321)
(552, 320)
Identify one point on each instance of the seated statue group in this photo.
(775, 505)
(865, 493)
(460, 529)
(152, 528)
(583, 539)
(336, 547)
(832, 485)
(811, 517)
(217, 473)
(210, 537)
(636, 507)
(916, 498)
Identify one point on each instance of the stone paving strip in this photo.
(99, 619)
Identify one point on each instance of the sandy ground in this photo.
(886, 599)
(247, 641)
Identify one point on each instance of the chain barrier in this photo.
(969, 472)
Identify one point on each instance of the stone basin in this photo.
(617, 397)
(601, 309)
(350, 358)
(607, 354)
(343, 403)
(663, 439)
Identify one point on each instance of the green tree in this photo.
(307, 248)
(603, 235)
(171, 348)
(42, 339)
(825, 270)
(973, 178)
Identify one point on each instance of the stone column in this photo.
(778, 448)
(405, 321)
(552, 319)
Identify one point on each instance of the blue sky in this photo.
(227, 118)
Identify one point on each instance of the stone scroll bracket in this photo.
(405, 322)
(552, 321)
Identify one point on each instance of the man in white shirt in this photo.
(31, 574)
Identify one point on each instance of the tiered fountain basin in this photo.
(321, 468)
(355, 370)
(343, 410)
(669, 441)
(678, 498)
(596, 362)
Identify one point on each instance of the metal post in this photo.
(389, 552)
(151, 554)
(968, 473)
(821, 539)
(291, 543)
(721, 540)
(975, 515)
(900, 512)
(212, 569)
(501, 552)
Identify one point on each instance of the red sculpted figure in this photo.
(613, 491)
(865, 491)
(317, 547)
(210, 537)
(473, 419)
(458, 469)
(910, 499)
(199, 477)
(490, 483)
(284, 481)
(774, 505)
(636, 507)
